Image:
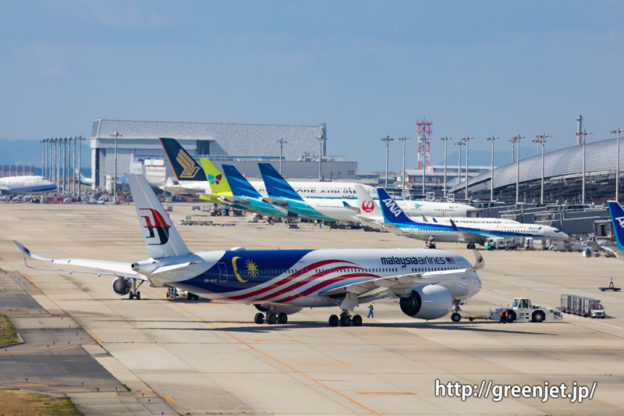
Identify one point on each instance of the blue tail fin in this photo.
(183, 164)
(392, 213)
(276, 185)
(239, 185)
(617, 221)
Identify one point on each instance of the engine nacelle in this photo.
(427, 302)
(121, 286)
(288, 310)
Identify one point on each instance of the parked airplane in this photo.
(283, 195)
(460, 230)
(427, 283)
(25, 184)
(189, 180)
(617, 222)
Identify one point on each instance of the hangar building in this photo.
(243, 145)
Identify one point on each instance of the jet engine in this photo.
(121, 286)
(288, 310)
(427, 302)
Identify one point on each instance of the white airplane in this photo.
(426, 283)
(25, 184)
(467, 230)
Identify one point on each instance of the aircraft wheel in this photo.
(271, 319)
(455, 317)
(356, 320)
(259, 318)
(345, 320)
(282, 318)
(131, 295)
(471, 246)
(138, 295)
(333, 320)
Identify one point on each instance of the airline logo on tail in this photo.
(368, 206)
(620, 221)
(392, 206)
(157, 223)
(214, 180)
(189, 168)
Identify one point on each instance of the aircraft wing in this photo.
(400, 283)
(70, 265)
(468, 236)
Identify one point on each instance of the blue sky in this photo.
(368, 69)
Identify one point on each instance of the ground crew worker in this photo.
(370, 311)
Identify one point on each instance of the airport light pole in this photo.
(116, 135)
(73, 176)
(492, 139)
(43, 157)
(322, 140)
(281, 143)
(445, 139)
(80, 139)
(540, 139)
(65, 181)
(467, 141)
(387, 139)
(403, 140)
(459, 145)
(514, 140)
(617, 162)
(583, 134)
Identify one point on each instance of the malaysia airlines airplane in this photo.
(25, 184)
(470, 230)
(426, 283)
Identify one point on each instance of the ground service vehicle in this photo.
(582, 306)
(522, 310)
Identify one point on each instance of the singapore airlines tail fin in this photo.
(161, 237)
(617, 221)
(276, 185)
(184, 166)
(218, 182)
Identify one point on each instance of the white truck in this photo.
(524, 311)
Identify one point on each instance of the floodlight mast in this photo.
(387, 139)
(583, 135)
(617, 162)
(445, 139)
(116, 135)
(492, 139)
(514, 140)
(467, 141)
(403, 140)
(540, 139)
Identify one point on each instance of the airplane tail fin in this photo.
(184, 166)
(367, 205)
(391, 211)
(218, 181)
(617, 221)
(239, 185)
(161, 237)
(276, 185)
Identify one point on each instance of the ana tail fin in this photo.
(617, 222)
(392, 213)
(161, 237)
(184, 166)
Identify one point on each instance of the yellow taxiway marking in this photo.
(280, 362)
(173, 403)
(387, 393)
(38, 351)
(35, 284)
(324, 364)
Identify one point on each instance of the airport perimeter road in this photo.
(209, 358)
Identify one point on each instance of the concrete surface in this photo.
(206, 358)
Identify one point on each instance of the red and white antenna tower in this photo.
(424, 149)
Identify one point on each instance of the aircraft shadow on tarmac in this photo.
(491, 327)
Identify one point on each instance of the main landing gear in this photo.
(455, 316)
(471, 246)
(134, 292)
(345, 320)
(271, 318)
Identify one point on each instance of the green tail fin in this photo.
(218, 182)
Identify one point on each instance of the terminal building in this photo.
(243, 145)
